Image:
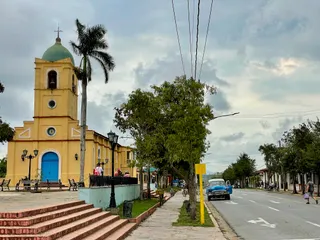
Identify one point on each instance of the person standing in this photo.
(310, 191)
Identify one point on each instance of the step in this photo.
(47, 225)
(86, 231)
(107, 231)
(19, 237)
(28, 221)
(35, 211)
(73, 226)
(123, 232)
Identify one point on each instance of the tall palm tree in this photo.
(91, 45)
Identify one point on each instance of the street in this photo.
(255, 214)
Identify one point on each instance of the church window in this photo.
(52, 104)
(52, 80)
(51, 131)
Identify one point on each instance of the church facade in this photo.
(54, 134)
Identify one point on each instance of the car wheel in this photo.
(209, 199)
(227, 197)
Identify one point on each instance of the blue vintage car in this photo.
(218, 188)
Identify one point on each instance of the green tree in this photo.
(244, 168)
(3, 167)
(272, 159)
(91, 45)
(184, 131)
(229, 174)
(139, 116)
(6, 132)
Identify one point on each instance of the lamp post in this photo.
(30, 157)
(113, 139)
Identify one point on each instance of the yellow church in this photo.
(53, 137)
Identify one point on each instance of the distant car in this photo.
(218, 188)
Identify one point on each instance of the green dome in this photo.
(57, 52)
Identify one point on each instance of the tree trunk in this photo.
(302, 183)
(149, 182)
(83, 123)
(294, 184)
(141, 183)
(192, 193)
(318, 175)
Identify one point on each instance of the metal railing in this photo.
(107, 180)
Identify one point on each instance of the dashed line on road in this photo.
(274, 201)
(252, 201)
(238, 197)
(314, 224)
(274, 209)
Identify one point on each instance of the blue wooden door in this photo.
(50, 167)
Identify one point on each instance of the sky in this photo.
(262, 55)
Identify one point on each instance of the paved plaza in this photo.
(17, 201)
(159, 225)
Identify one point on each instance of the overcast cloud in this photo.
(262, 55)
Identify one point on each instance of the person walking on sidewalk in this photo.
(311, 190)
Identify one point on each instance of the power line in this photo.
(279, 115)
(190, 38)
(197, 40)
(205, 42)
(178, 38)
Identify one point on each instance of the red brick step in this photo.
(122, 233)
(74, 226)
(35, 211)
(86, 231)
(28, 221)
(107, 231)
(47, 225)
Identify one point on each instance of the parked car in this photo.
(218, 188)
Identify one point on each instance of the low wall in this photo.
(100, 196)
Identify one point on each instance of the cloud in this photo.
(233, 137)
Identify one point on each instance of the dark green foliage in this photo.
(6, 132)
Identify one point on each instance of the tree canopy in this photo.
(169, 125)
(6, 132)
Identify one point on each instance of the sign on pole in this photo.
(200, 170)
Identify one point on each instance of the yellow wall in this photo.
(66, 141)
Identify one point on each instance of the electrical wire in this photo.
(205, 42)
(178, 38)
(197, 41)
(278, 115)
(190, 38)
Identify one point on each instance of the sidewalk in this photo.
(159, 225)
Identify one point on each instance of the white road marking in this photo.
(265, 223)
(231, 202)
(314, 224)
(252, 201)
(274, 201)
(274, 209)
(244, 194)
(238, 197)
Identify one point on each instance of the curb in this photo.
(212, 217)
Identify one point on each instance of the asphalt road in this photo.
(260, 215)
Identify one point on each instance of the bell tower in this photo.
(56, 85)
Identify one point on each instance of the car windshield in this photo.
(217, 183)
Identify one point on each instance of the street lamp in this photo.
(24, 156)
(227, 115)
(113, 139)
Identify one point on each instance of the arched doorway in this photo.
(50, 167)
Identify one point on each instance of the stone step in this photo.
(73, 226)
(28, 221)
(47, 225)
(107, 231)
(123, 232)
(19, 237)
(90, 229)
(35, 211)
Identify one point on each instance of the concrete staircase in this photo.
(69, 221)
